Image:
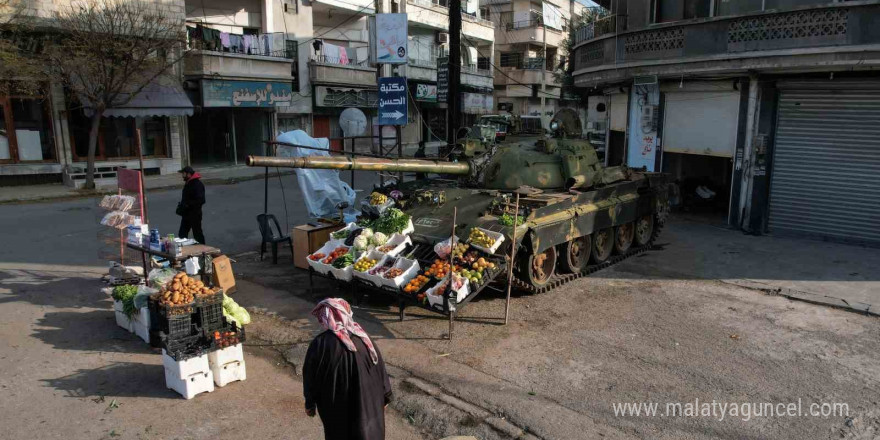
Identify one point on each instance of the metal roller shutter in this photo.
(826, 163)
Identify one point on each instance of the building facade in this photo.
(44, 137)
(765, 112)
(529, 46)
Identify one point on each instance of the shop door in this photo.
(826, 161)
(210, 137)
(323, 130)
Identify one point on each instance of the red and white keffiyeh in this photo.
(335, 315)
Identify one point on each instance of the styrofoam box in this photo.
(437, 246)
(320, 267)
(410, 270)
(192, 385)
(228, 372)
(123, 321)
(344, 274)
(143, 316)
(409, 229)
(117, 305)
(380, 260)
(142, 331)
(499, 238)
(341, 241)
(226, 355)
(399, 241)
(437, 298)
(185, 368)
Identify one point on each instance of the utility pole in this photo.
(543, 73)
(453, 97)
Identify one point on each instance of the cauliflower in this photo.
(379, 239)
(361, 241)
(367, 232)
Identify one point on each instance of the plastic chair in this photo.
(273, 236)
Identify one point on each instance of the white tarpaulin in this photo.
(552, 16)
(322, 189)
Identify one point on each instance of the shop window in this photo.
(116, 138)
(26, 133)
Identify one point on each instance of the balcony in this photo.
(529, 31)
(838, 34)
(327, 70)
(227, 65)
(514, 76)
(435, 15)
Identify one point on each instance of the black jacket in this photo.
(193, 196)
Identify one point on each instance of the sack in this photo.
(181, 210)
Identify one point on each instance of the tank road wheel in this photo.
(644, 230)
(623, 238)
(538, 269)
(575, 254)
(603, 244)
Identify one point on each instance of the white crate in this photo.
(228, 372)
(380, 260)
(435, 297)
(344, 274)
(225, 355)
(117, 305)
(399, 241)
(123, 321)
(341, 241)
(499, 238)
(185, 368)
(142, 331)
(320, 267)
(410, 270)
(143, 317)
(438, 246)
(191, 385)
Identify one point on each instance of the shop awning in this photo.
(163, 97)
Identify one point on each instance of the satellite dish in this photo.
(353, 122)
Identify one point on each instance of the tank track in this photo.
(562, 279)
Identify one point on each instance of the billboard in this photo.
(391, 38)
(392, 101)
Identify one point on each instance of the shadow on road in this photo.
(119, 379)
(89, 331)
(56, 288)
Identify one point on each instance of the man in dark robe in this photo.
(344, 377)
(190, 207)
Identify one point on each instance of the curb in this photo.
(813, 298)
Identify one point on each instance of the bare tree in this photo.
(108, 51)
(20, 69)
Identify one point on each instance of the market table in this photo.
(186, 252)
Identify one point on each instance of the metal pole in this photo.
(512, 259)
(399, 152)
(141, 162)
(266, 187)
(451, 265)
(543, 72)
(234, 146)
(453, 99)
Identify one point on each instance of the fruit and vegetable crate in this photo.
(175, 320)
(181, 349)
(209, 311)
(228, 335)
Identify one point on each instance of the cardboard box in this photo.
(223, 277)
(308, 239)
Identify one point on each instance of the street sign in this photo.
(392, 101)
(442, 78)
(391, 38)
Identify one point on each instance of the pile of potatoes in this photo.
(182, 290)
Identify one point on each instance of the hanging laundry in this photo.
(343, 56)
(249, 42)
(224, 39)
(236, 43)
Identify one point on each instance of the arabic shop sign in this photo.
(426, 92)
(442, 78)
(244, 94)
(392, 101)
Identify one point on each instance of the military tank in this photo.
(575, 215)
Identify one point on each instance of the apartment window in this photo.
(511, 59)
(484, 13)
(26, 132)
(483, 63)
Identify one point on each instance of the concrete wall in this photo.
(233, 65)
(227, 15)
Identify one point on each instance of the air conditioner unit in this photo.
(442, 37)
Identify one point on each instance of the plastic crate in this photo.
(228, 373)
(209, 311)
(176, 321)
(192, 385)
(218, 343)
(153, 308)
(182, 349)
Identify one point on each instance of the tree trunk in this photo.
(93, 145)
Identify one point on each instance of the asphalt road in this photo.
(67, 232)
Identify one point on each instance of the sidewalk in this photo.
(215, 175)
(810, 270)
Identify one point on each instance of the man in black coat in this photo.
(190, 207)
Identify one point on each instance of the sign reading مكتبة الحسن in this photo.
(220, 93)
(392, 101)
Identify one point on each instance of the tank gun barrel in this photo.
(361, 163)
